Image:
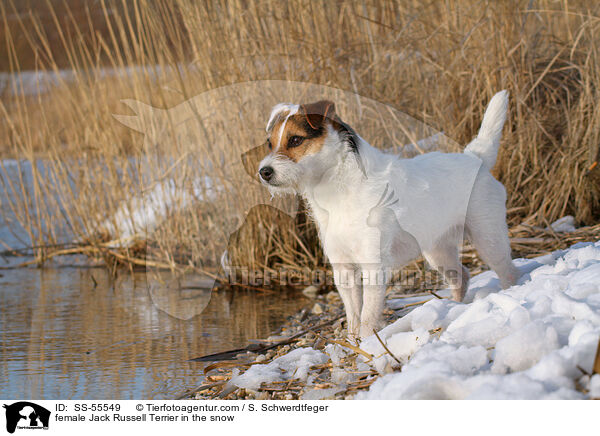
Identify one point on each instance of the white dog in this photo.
(376, 212)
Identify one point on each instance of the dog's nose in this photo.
(266, 173)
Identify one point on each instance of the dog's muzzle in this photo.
(266, 173)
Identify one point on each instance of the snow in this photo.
(32, 82)
(535, 340)
(526, 342)
(321, 394)
(137, 216)
(509, 355)
(565, 224)
(595, 386)
(336, 353)
(11, 163)
(293, 365)
(142, 214)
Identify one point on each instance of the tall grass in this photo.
(439, 62)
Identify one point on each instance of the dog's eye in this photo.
(295, 141)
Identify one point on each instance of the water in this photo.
(72, 333)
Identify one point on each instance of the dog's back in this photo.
(445, 196)
(434, 191)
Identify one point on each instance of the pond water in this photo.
(73, 333)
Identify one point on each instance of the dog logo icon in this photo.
(26, 415)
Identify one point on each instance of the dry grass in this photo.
(439, 62)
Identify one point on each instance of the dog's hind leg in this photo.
(445, 258)
(489, 235)
(348, 283)
(486, 227)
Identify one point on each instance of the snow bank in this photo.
(536, 340)
(142, 214)
(38, 82)
(526, 342)
(138, 216)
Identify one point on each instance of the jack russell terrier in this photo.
(376, 211)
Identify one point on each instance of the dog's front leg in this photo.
(374, 283)
(348, 283)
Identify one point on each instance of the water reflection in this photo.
(71, 333)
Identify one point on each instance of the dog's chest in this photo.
(342, 228)
(343, 235)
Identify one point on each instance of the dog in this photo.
(376, 211)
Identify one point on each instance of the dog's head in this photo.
(304, 142)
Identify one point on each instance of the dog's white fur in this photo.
(376, 212)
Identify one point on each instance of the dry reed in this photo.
(439, 62)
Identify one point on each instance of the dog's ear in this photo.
(317, 112)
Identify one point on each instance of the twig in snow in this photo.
(416, 303)
(354, 348)
(436, 295)
(386, 348)
(583, 371)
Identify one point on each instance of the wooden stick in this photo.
(354, 348)
(386, 348)
(416, 303)
(262, 348)
(436, 295)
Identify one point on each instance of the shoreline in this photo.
(536, 340)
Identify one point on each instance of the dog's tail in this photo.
(485, 145)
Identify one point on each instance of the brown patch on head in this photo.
(304, 132)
